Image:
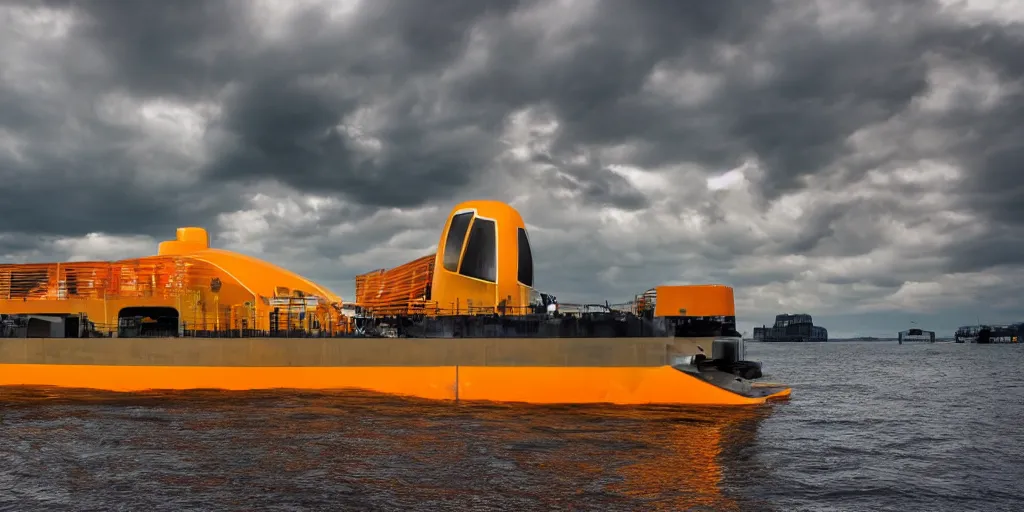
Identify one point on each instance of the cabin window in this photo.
(453, 244)
(525, 259)
(480, 260)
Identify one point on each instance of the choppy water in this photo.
(871, 426)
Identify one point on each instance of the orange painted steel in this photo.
(450, 292)
(397, 291)
(617, 385)
(417, 287)
(425, 286)
(461, 294)
(694, 300)
(211, 289)
(425, 382)
(214, 289)
(540, 385)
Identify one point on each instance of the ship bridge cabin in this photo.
(484, 264)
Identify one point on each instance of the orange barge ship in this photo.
(465, 323)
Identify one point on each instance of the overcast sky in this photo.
(858, 161)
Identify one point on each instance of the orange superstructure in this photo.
(186, 283)
(484, 260)
(483, 264)
(694, 300)
(404, 289)
(464, 323)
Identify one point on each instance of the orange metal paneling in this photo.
(212, 289)
(543, 385)
(398, 290)
(424, 381)
(622, 385)
(455, 293)
(694, 300)
(425, 286)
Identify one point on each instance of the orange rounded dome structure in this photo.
(187, 285)
(483, 264)
(484, 260)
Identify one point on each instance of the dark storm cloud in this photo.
(998, 245)
(369, 110)
(597, 184)
(281, 124)
(846, 227)
(819, 227)
(69, 180)
(820, 89)
(988, 145)
(288, 132)
(175, 48)
(594, 86)
(283, 117)
(13, 243)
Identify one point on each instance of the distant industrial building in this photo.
(791, 328)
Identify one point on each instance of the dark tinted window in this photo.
(481, 250)
(453, 244)
(525, 259)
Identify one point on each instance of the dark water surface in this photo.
(870, 426)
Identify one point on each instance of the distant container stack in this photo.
(791, 328)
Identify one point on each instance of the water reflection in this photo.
(683, 465)
(362, 450)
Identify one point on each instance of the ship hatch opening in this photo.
(147, 321)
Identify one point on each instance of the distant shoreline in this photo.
(865, 338)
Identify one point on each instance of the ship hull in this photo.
(542, 371)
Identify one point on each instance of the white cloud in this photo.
(962, 85)
(683, 87)
(985, 11)
(727, 180)
(104, 247)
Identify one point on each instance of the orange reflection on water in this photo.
(684, 468)
(370, 451)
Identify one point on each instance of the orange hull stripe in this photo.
(425, 382)
(623, 385)
(541, 385)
